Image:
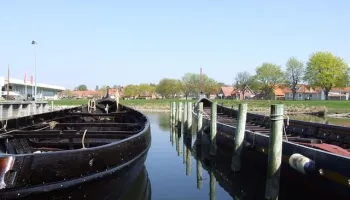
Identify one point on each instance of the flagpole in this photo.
(25, 88)
(8, 82)
(35, 90)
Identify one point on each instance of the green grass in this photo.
(253, 105)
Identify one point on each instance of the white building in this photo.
(44, 91)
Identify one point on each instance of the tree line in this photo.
(323, 69)
(190, 84)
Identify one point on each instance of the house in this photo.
(238, 94)
(334, 93)
(277, 93)
(225, 92)
(303, 92)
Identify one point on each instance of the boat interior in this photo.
(98, 123)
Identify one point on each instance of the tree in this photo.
(82, 87)
(131, 91)
(66, 93)
(190, 84)
(146, 89)
(243, 80)
(210, 86)
(168, 87)
(294, 74)
(269, 76)
(326, 71)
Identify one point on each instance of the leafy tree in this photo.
(190, 84)
(294, 74)
(243, 81)
(210, 86)
(326, 71)
(146, 89)
(168, 87)
(66, 93)
(269, 76)
(82, 87)
(131, 91)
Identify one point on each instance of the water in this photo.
(173, 174)
(167, 169)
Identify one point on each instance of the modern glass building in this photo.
(19, 88)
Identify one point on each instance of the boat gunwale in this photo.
(137, 134)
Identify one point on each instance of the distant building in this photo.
(19, 89)
(225, 92)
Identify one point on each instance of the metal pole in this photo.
(8, 82)
(35, 90)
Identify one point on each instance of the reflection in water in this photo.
(199, 174)
(140, 189)
(188, 155)
(168, 173)
(212, 186)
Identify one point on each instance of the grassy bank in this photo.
(330, 107)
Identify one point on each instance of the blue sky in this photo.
(123, 42)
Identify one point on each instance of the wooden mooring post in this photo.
(189, 118)
(52, 108)
(200, 121)
(239, 137)
(213, 126)
(173, 113)
(179, 114)
(274, 152)
(184, 119)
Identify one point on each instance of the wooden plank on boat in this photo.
(68, 133)
(97, 124)
(113, 114)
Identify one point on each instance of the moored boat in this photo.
(318, 151)
(93, 151)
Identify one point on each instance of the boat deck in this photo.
(73, 131)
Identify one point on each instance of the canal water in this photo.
(173, 175)
(169, 177)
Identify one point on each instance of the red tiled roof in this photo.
(227, 90)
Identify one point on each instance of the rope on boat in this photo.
(52, 124)
(4, 126)
(91, 105)
(284, 127)
(83, 139)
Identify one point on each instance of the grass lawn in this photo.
(253, 105)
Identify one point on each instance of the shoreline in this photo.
(257, 110)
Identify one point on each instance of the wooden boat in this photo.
(93, 151)
(324, 148)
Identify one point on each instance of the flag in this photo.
(33, 42)
(25, 78)
(31, 80)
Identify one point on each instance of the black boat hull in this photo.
(106, 185)
(99, 172)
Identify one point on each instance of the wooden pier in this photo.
(314, 154)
